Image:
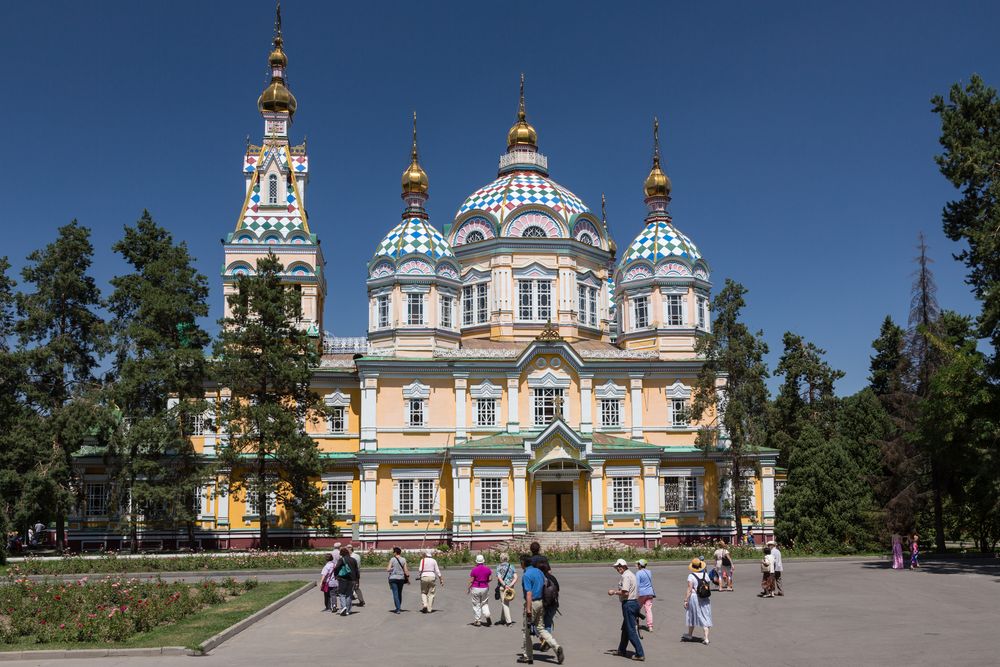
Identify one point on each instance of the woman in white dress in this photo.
(699, 609)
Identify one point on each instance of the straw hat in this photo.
(508, 594)
(697, 565)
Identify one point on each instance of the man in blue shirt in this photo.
(533, 584)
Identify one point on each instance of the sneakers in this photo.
(560, 656)
(639, 658)
(487, 622)
(525, 660)
(477, 624)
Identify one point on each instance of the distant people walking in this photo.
(533, 585)
(914, 552)
(897, 552)
(646, 593)
(766, 574)
(751, 542)
(628, 594)
(324, 582)
(778, 566)
(537, 558)
(506, 578)
(357, 582)
(724, 566)
(479, 592)
(399, 575)
(697, 601)
(430, 575)
(346, 571)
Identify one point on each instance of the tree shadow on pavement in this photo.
(986, 565)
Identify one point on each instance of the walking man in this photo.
(357, 583)
(628, 593)
(778, 567)
(533, 584)
(430, 575)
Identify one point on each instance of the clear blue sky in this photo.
(798, 136)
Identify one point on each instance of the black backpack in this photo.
(550, 592)
(704, 590)
(726, 562)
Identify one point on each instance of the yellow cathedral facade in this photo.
(519, 374)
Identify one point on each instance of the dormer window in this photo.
(272, 189)
(534, 232)
(474, 237)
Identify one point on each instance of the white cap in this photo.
(480, 559)
(429, 553)
(621, 563)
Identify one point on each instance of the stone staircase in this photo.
(559, 540)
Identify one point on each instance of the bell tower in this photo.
(273, 217)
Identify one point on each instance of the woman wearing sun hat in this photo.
(698, 607)
(479, 591)
(646, 593)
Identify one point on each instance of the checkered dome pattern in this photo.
(660, 240)
(522, 188)
(414, 236)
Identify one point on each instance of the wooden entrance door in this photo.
(557, 506)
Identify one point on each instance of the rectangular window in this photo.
(338, 419)
(406, 504)
(482, 303)
(640, 312)
(674, 310)
(253, 510)
(425, 501)
(611, 412)
(382, 305)
(491, 495)
(680, 494)
(486, 412)
(747, 496)
(272, 189)
(336, 494)
(544, 405)
(587, 305)
(96, 499)
(446, 312)
(415, 309)
(475, 304)
(415, 412)
(679, 412)
(196, 424)
(468, 306)
(621, 495)
(581, 303)
(702, 313)
(671, 494)
(534, 300)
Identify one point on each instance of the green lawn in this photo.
(191, 631)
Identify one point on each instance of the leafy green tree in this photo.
(11, 381)
(265, 360)
(731, 392)
(64, 336)
(887, 369)
(158, 354)
(826, 504)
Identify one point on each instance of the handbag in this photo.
(325, 587)
(406, 577)
(496, 592)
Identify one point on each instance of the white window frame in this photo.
(587, 305)
(447, 315)
(253, 510)
(415, 309)
(97, 496)
(622, 500)
(337, 497)
(680, 409)
(383, 311)
(543, 404)
(610, 412)
(416, 412)
(486, 412)
(640, 312)
(272, 189)
(337, 421)
(702, 309)
(491, 496)
(689, 485)
(475, 304)
(673, 310)
(534, 299)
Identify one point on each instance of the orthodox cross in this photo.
(557, 407)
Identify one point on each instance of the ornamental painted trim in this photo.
(673, 269)
(485, 389)
(637, 273)
(678, 390)
(618, 354)
(382, 270)
(585, 226)
(701, 273)
(416, 390)
(336, 363)
(522, 222)
(448, 271)
(610, 390)
(240, 268)
(487, 353)
(415, 267)
(337, 399)
(549, 380)
(480, 225)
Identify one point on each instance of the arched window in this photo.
(475, 236)
(272, 189)
(586, 238)
(534, 232)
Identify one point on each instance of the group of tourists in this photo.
(341, 577)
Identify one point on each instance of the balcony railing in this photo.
(524, 157)
(345, 344)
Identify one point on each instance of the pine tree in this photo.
(888, 365)
(863, 424)
(730, 390)
(64, 336)
(11, 381)
(159, 354)
(266, 362)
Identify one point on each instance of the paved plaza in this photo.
(835, 612)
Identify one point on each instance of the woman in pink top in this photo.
(479, 590)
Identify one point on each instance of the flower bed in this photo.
(110, 609)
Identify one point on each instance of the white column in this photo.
(369, 476)
(222, 507)
(369, 429)
(651, 497)
(461, 384)
(635, 384)
(597, 496)
(576, 505)
(767, 487)
(586, 404)
(513, 426)
(461, 473)
(520, 498)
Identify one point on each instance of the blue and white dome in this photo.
(658, 241)
(414, 236)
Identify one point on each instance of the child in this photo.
(914, 551)
(325, 575)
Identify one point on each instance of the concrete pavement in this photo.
(834, 613)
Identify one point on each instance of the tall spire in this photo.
(657, 186)
(277, 97)
(612, 246)
(522, 135)
(414, 178)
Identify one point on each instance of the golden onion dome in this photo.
(277, 97)
(278, 57)
(657, 183)
(414, 179)
(521, 132)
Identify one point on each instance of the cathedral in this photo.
(520, 373)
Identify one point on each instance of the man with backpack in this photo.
(628, 594)
(533, 582)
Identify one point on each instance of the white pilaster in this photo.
(597, 496)
(520, 498)
(369, 477)
(369, 424)
(635, 385)
(538, 506)
(767, 487)
(461, 473)
(513, 426)
(586, 404)
(651, 497)
(461, 384)
(576, 505)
